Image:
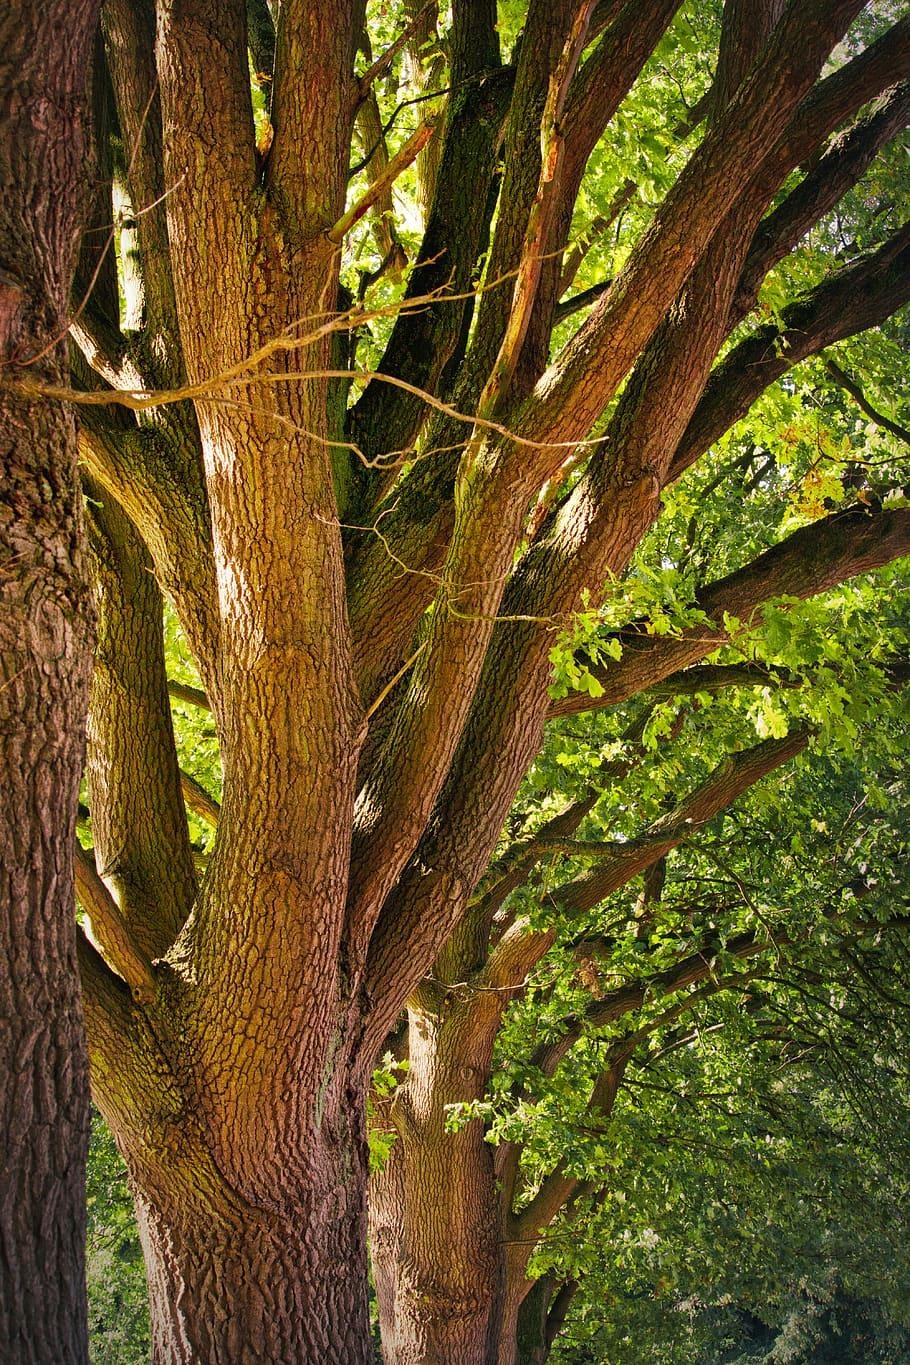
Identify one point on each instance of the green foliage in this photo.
(117, 1301)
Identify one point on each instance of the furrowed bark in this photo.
(300, 1302)
(250, 1056)
(426, 60)
(199, 801)
(440, 1255)
(287, 705)
(143, 466)
(110, 930)
(543, 38)
(313, 102)
(203, 1141)
(451, 1290)
(45, 643)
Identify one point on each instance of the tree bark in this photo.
(45, 661)
(44, 667)
(229, 1282)
(435, 1209)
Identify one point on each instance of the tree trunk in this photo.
(232, 1282)
(44, 667)
(531, 1333)
(44, 670)
(435, 1209)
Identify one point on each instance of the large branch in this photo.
(840, 167)
(854, 298)
(142, 468)
(578, 387)
(559, 1187)
(540, 217)
(521, 947)
(615, 1005)
(669, 378)
(385, 419)
(209, 158)
(387, 598)
(314, 99)
(199, 801)
(545, 32)
(138, 822)
(129, 29)
(111, 930)
(110, 1015)
(808, 562)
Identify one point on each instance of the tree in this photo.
(45, 661)
(563, 1000)
(367, 561)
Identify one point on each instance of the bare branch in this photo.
(398, 163)
(193, 696)
(199, 800)
(850, 385)
(385, 59)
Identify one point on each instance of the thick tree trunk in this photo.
(44, 665)
(44, 670)
(267, 1290)
(232, 1282)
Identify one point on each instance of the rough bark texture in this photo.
(436, 1210)
(230, 1281)
(44, 666)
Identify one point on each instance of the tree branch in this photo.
(850, 385)
(422, 342)
(129, 30)
(193, 696)
(399, 163)
(385, 59)
(112, 931)
(199, 800)
(520, 947)
(840, 166)
(576, 390)
(859, 296)
(138, 822)
(807, 563)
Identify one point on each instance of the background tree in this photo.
(45, 634)
(369, 546)
(565, 987)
